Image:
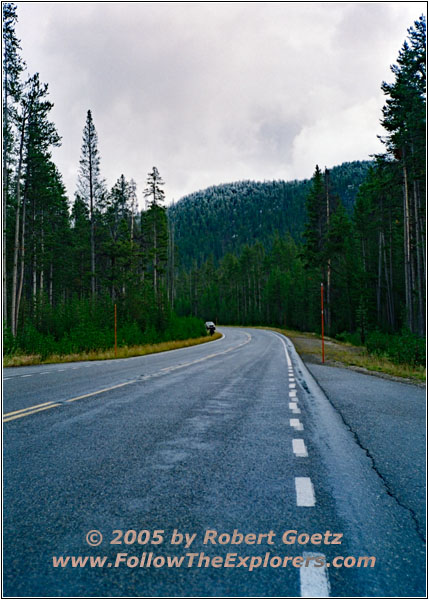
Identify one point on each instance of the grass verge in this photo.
(309, 347)
(123, 352)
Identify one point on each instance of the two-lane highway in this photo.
(230, 435)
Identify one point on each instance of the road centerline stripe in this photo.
(304, 492)
(23, 410)
(12, 418)
(314, 581)
(296, 424)
(113, 387)
(299, 449)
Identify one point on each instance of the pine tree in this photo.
(315, 229)
(155, 228)
(91, 186)
(37, 134)
(119, 246)
(80, 248)
(404, 118)
(154, 191)
(13, 65)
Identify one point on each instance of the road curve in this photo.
(231, 435)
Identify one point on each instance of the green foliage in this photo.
(82, 326)
(400, 348)
(9, 341)
(349, 338)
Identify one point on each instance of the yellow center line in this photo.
(29, 413)
(114, 387)
(31, 410)
(15, 412)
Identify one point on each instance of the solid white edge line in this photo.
(314, 581)
(304, 492)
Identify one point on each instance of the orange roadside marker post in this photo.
(116, 340)
(323, 324)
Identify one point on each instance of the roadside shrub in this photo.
(9, 342)
(130, 334)
(405, 347)
(349, 338)
(83, 326)
(31, 341)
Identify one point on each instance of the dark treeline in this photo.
(370, 256)
(66, 266)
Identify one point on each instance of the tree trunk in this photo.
(91, 208)
(389, 301)
(407, 254)
(155, 260)
(21, 279)
(17, 227)
(51, 285)
(379, 277)
(420, 278)
(5, 192)
(42, 257)
(328, 277)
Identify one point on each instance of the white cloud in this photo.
(337, 137)
(214, 91)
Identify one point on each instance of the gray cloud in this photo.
(214, 92)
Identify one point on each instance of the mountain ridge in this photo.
(224, 217)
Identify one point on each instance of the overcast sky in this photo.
(213, 92)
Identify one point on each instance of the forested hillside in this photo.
(230, 215)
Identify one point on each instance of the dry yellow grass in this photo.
(123, 352)
(309, 346)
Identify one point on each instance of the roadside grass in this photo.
(21, 360)
(309, 346)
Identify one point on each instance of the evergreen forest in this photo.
(244, 253)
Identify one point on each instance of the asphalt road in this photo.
(203, 439)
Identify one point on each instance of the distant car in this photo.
(211, 327)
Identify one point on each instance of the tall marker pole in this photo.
(116, 340)
(323, 324)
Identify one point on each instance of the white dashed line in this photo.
(4, 379)
(296, 424)
(314, 579)
(304, 492)
(292, 394)
(25, 375)
(292, 385)
(299, 448)
(45, 373)
(294, 408)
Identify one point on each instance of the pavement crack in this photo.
(419, 530)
